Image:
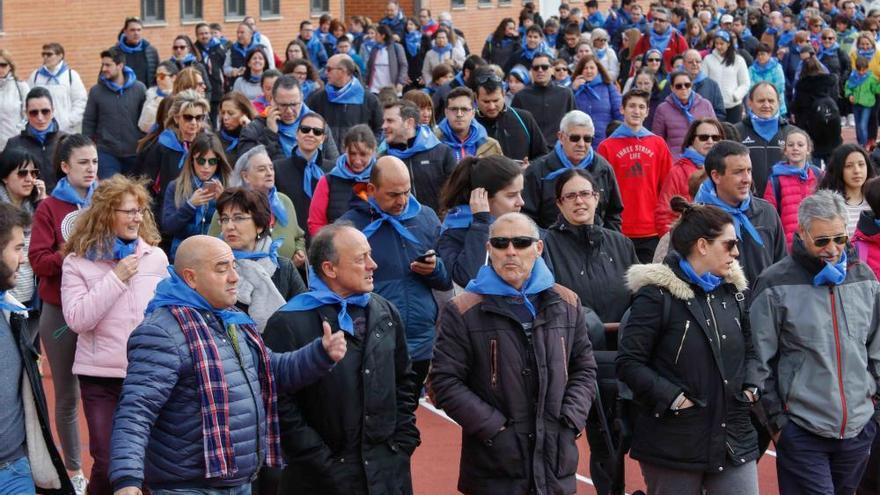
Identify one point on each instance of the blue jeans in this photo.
(16, 478)
(863, 117)
(236, 490)
(109, 165)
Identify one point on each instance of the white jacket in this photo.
(12, 116)
(68, 96)
(733, 79)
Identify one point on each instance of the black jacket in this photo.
(809, 92)
(144, 64)
(429, 171)
(161, 165)
(837, 63)
(499, 52)
(755, 258)
(539, 194)
(592, 261)
(660, 359)
(232, 152)
(353, 431)
(42, 152)
(341, 117)
(517, 131)
(214, 63)
(257, 132)
(548, 104)
(289, 175)
(764, 154)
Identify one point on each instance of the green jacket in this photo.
(864, 94)
(294, 237)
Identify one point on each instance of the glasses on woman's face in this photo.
(210, 161)
(317, 131)
(730, 244)
(684, 85)
(237, 219)
(179, 48)
(705, 137)
(45, 112)
(584, 195)
(653, 60)
(24, 172)
(132, 213)
(188, 117)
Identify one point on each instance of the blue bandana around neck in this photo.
(763, 70)
(425, 140)
(786, 37)
(9, 306)
(746, 34)
(868, 54)
(567, 165)
(254, 79)
(766, 128)
(832, 273)
(277, 207)
(168, 139)
(413, 207)
(272, 253)
(120, 249)
(707, 281)
(128, 49)
(624, 131)
(187, 60)
(308, 87)
(50, 77)
(212, 43)
(700, 78)
(312, 171)
(600, 54)
(458, 217)
(830, 51)
(686, 109)
(565, 83)
(368, 45)
(350, 94)
(488, 283)
(708, 195)
(855, 79)
(173, 291)
(413, 42)
(588, 86)
(342, 171)
(441, 51)
(661, 41)
(691, 154)
(130, 79)
(232, 140)
(476, 137)
(782, 169)
(320, 295)
(530, 53)
(42, 135)
(65, 192)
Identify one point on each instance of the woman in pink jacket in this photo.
(109, 275)
(674, 115)
(792, 180)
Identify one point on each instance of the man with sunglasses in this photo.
(514, 367)
(40, 134)
(703, 86)
(573, 150)
(816, 365)
(343, 100)
(515, 129)
(547, 102)
(661, 36)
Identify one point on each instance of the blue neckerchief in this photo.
(600, 54)
(708, 195)
(588, 86)
(661, 41)
(329, 39)
(696, 158)
(560, 153)
(565, 83)
(244, 50)
(342, 171)
(441, 51)
(256, 255)
(287, 132)
(746, 34)
(315, 48)
(65, 192)
(832, 274)
(254, 79)
(413, 207)
(130, 78)
(507, 41)
(476, 137)
(50, 77)
(168, 139)
(41, 135)
(686, 109)
(233, 140)
(781, 169)
(855, 79)
(488, 283)
(120, 249)
(707, 281)
(277, 206)
(868, 54)
(459, 79)
(700, 78)
(772, 31)
(8, 306)
(596, 18)
(766, 128)
(350, 94)
(832, 50)
(413, 43)
(308, 87)
(458, 217)
(202, 211)
(530, 53)
(161, 93)
(187, 60)
(764, 69)
(321, 295)
(212, 43)
(173, 291)
(311, 173)
(368, 45)
(786, 37)
(624, 131)
(128, 49)
(551, 38)
(429, 26)
(425, 140)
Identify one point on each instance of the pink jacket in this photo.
(793, 190)
(104, 311)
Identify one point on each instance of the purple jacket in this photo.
(671, 124)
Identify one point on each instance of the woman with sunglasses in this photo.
(693, 432)
(236, 111)
(166, 72)
(792, 179)
(111, 269)
(651, 61)
(184, 54)
(726, 67)
(836, 61)
(596, 95)
(188, 206)
(674, 116)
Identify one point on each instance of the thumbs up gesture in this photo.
(334, 343)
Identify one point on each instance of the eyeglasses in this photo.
(4, 64)
(132, 213)
(47, 54)
(237, 219)
(660, 20)
(686, 85)
(730, 244)
(576, 138)
(572, 196)
(828, 38)
(190, 117)
(38, 111)
(459, 110)
(178, 48)
(317, 131)
(22, 173)
(287, 106)
(519, 242)
(540, 67)
(210, 161)
(652, 59)
(561, 68)
(821, 242)
(705, 137)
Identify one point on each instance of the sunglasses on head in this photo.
(685, 85)
(190, 117)
(24, 172)
(541, 67)
(317, 131)
(37, 111)
(705, 137)
(576, 138)
(484, 78)
(840, 240)
(519, 242)
(210, 161)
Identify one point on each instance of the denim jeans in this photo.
(108, 165)
(862, 117)
(236, 490)
(16, 478)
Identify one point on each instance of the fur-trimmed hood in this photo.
(662, 275)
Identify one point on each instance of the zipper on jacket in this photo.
(687, 324)
(714, 322)
(564, 357)
(493, 362)
(839, 359)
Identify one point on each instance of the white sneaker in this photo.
(79, 483)
(851, 120)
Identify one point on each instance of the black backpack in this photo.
(825, 116)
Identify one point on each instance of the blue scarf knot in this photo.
(120, 250)
(413, 43)
(425, 140)
(128, 49)
(311, 173)
(342, 171)
(661, 41)
(9, 306)
(832, 50)
(41, 136)
(584, 164)
(232, 140)
(832, 273)
(697, 159)
(50, 77)
(168, 139)
(413, 207)
(488, 283)
(781, 169)
(766, 128)
(588, 86)
(763, 70)
(868, 54)
(130, 79)
(277, 207)
(708, 195)
(350, 94)
(441, 51)
(320, 295)
(685, 109)
(308, 87)
(65, 192)
(212, 43)
(477, 135)
(458, 217)
(530, 53)
(855, 79)
(624, 131)
(707, 281)
(173, 291)
(271, 253)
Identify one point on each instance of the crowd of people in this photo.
(249, 266)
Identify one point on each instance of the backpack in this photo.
(824, 115)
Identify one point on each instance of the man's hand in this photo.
(272, 116)
(129, 490)
(424, 267)
(334, 343)
(299, 258)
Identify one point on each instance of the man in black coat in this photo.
(213, 56)
(140, 55)
(353, 431)
(41, 133)
(344, 102)
(545, 100)
(515, 129)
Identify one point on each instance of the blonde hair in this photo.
(7, 55)
(93, 231)
(182, 102)
(186, 80)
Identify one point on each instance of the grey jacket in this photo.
(818, 351)
(111, 118)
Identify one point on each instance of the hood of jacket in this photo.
(662, 275)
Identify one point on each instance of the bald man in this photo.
(199, 404)
(344, 102)
(403, 233)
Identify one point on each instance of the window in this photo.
(504, 2)
(1, 15)
(153, 11)
(270, 8)
(320, 6)
(457, 4)
(484, 3)
(190, 10)
(234, 9)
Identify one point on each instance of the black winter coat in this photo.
(518, 133)
(658, 363)
(809, 90)
(214, 63)
(753, 257)
(353, 431)
(257, 132)
(764, 154)
(548, 105)
(144, 64)
(486, 365)
(341, 117)
(42, 152)
(429, 171)
(499, 52)
(289, 174)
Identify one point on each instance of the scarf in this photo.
(700, 78)
(350, 94)
(708, 195)
(855, 79)
(766, 128)
(277, 207)
(168, 139)
(488, 283)
(265, 248)
(868, 54)
(413, 43)
(746, 34)
(685, 109)
(625, 132)
(42, 135)
(311, 173)
(128, 49)
(695, 158)
(565, 83)
(476, 137)
(763, 70)
(50, 77)
(588, 86)
(255, 287)
(458, 217)
(187, 60)
(529, 53)
(65, 192)
(173, 291)
(707, 281)
(413, 207)
(232, 140)
(6, 305)
(566, 163)
(424, 140)
(321, 295)
(212, 43)
(661, 41)
(119, 250)
(130, 78)
(832, 273)
(832, 50)
(308, 87)
(786, 37)
(368, 45)
(600, 54)
(342, 171)
(441, 51)
(782, 169)
(254, 79)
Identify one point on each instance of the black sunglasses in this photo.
(575, 138)
(210, 161)
(730, 244)
(22, 173)
(541, 67)
(37, 111)
(705, 137)
(317, 131)
(484, 78)
(190, 117)
(519, 242)
(840, 240)
(686, 85)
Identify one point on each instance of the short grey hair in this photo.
(576, 118)
(660, 10)
(824, 204)
(512, 217)
(323, 245)
(599, 33)
(244, 163)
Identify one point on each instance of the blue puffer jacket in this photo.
(180, 223)
(602, 110)
(407, 290)
(157, 430)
